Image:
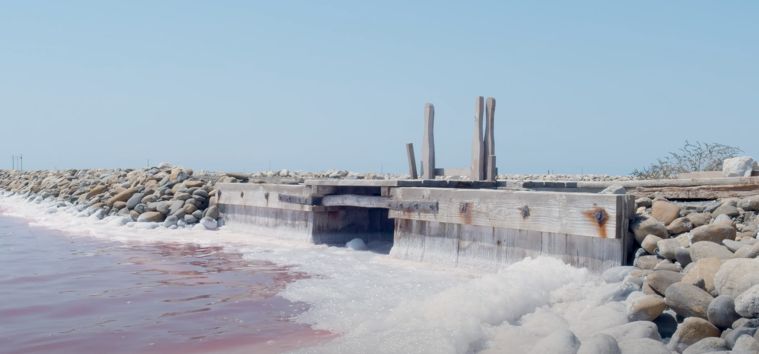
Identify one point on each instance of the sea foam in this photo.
(377, 304)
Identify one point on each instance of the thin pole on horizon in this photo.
(21, 162)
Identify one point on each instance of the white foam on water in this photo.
(378, 304)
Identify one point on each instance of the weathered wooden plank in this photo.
(428, 144)
(453, 172)
(491, 175)
(700, 192)
(581, 214)
(491, 247)
(263, 195)
(477, 169)
(369, 201)
(297, 199)
(411, 161)
(490, 167)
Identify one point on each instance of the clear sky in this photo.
(581, 86)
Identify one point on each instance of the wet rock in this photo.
(747, 303)
(665, 211)
(150, 216)
(690, 331)
(209, 223)
(171, 220)
(687, 300)
(599, 344)
(212, 212)
(721, 312)
(707, 345)
(649, 226)
(645, 308)
(197, 214)
(189, 219)
(708, 249)
(736, 276)
(713, 232)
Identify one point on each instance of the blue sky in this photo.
(583, 86)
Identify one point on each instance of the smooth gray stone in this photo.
(599, 344)
(721, 311)
(134, 200)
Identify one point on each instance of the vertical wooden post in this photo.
(478, 152)
(491, 171)
(428, 146)
(411, 161)
(490, 167)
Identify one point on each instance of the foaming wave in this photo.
(377, 304)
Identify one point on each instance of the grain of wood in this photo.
(428, 145)
(478, 149)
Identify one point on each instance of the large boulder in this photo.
(747, 303)
(690, 331)
(687, 300)
(698, 219)
(708, 249)
(740, 166)
(134, 200)
(746, 344)
(748, 251)
(713, 232)
(666, 324)
(728, 209)
(736, 276)
(95, 191)
(721, 312)
(702, 272)
(649, 226)
(665, 211)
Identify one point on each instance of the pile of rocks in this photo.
(169, 195)
(696, 273)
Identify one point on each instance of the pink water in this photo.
(61, 293)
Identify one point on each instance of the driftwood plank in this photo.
(411, 161)
(582, 214)
(428, 145)
(478, 152)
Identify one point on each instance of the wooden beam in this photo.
(411, 161)
(582, 214)
(478, 152)
(428, 145)
(490, 167)
(369, 201)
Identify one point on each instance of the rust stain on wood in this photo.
(600, 217)
(465, 210)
